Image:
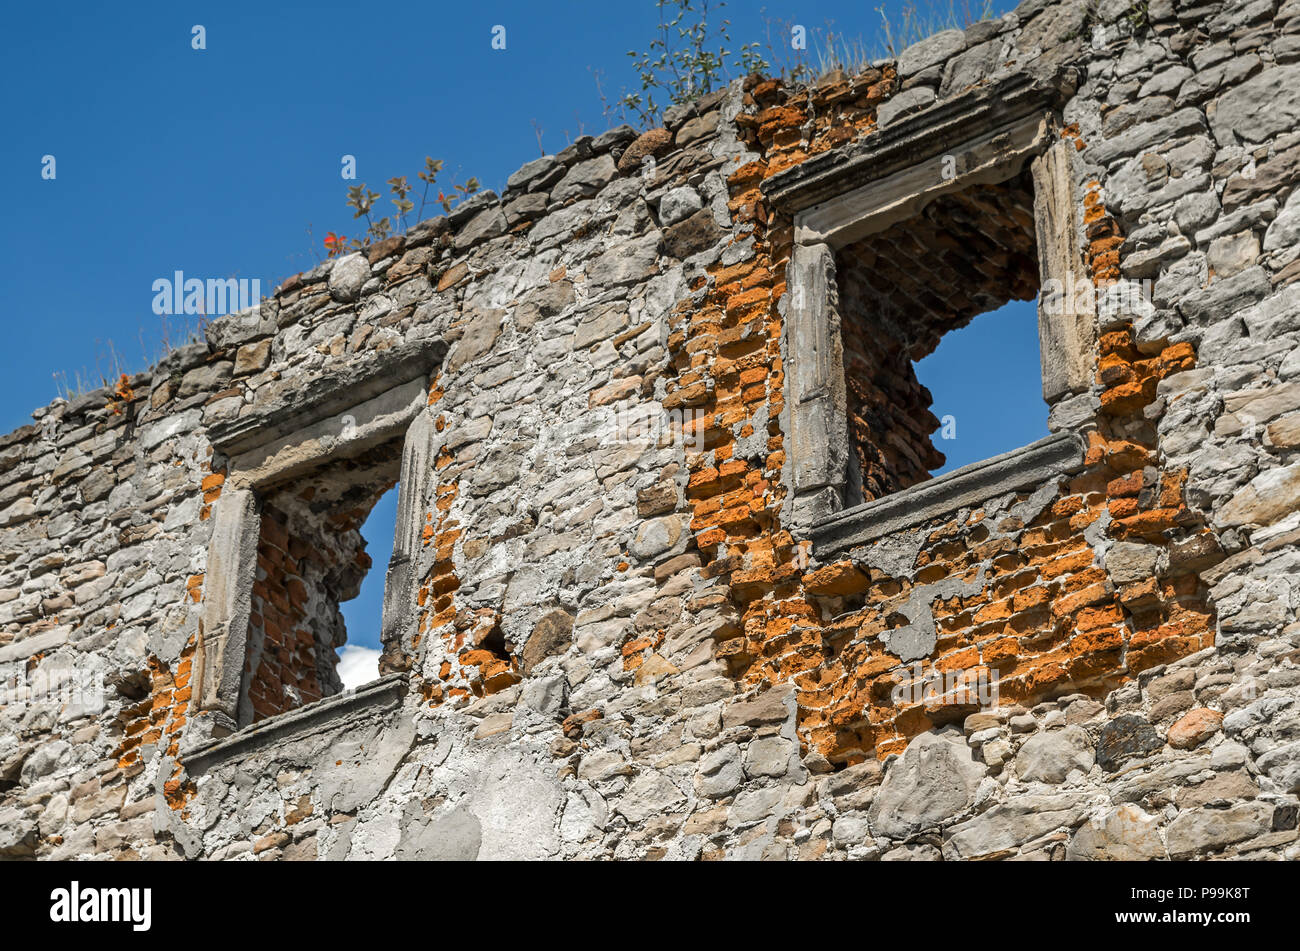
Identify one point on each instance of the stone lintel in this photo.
(873, 203)
(909, 142)
(329, 394)
(359, 428)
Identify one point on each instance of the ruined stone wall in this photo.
(622, 642)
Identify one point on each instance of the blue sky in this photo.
(216, 162)
(987, 377)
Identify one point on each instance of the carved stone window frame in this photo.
(984, 137)
(336, 416)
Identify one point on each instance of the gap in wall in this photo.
(968, 256)
(359, 658)
(986, 386)
(312, 560)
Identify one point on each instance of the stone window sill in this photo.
(972, 485)
(378, 696)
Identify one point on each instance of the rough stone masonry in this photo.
(669, 578)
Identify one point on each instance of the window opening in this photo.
(900, 291)
(986, 386)
(359, 657)
(311, 559)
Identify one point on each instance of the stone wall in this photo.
(621, 641)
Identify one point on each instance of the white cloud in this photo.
(357, 665)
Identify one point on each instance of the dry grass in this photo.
(830, 50)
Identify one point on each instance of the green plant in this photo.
(1132, 22)
(688, 58)
(1136, 17)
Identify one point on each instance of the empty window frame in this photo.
(286, 548)
(886, 262)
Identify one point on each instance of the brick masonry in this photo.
(622, 644)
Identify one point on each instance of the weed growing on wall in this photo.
(687, 58)
(362, 202)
